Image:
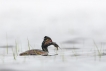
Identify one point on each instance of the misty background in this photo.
(33, 19)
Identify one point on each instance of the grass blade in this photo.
(7, 42)
(28, 44)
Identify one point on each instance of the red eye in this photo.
(50, 40)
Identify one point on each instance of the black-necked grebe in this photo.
(46, 42)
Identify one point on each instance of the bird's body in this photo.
(47, 42)
(34, 52)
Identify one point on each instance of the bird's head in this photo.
(48, 41)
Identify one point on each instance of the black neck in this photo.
(44, 47)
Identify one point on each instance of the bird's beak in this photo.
(56, 45)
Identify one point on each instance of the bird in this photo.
(47, 41)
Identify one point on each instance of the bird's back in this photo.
(34, 52)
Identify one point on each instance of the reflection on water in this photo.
(71, 42)
(6, 69)
(70, 48)
(9, 46)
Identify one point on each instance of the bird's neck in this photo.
(45, 49)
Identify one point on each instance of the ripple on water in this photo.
(70, 48)
(75, 40)
(9, 46)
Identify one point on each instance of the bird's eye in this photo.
(47, 41)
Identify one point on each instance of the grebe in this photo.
(46, 42)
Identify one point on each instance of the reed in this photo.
(16, 47)
(99, 51)
(28, 43)
(14, 56)
(7, 42)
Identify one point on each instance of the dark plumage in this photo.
(46, 42)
